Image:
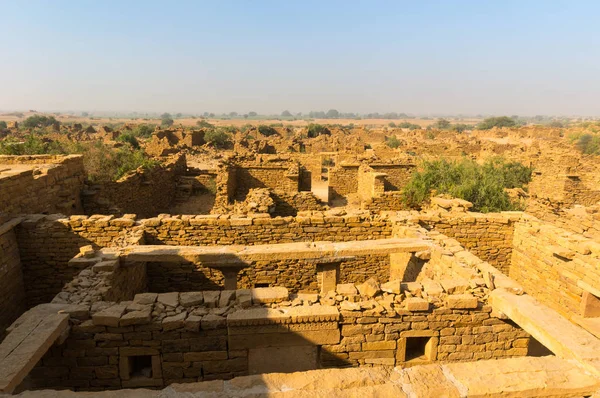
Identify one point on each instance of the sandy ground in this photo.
(232, 122)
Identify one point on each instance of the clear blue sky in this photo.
(491, 57)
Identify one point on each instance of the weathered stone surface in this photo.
(169, 299)
(173, 322)
(346, 289)
(188, 299)
(461, 301)
(369, 288)
(136, 318)
(416, 304)
(265, 295)
(392, 286)
(211, 298)
(110, 316)
(145, 298)
(226, 297)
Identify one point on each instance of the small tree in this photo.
(217, 137)
(589, 144)
(441, 124)
(204, 124)
(143, 130)
(252, 114)
(166, 122)
(267, 131)
(315, 130)
(130, 139)
(286, 114)
(393, 142)
(3, 124)
(501, 121)
(483, 185)
(332, 114)
(39, 121)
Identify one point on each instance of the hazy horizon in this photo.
(425, 58)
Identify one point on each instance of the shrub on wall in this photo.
(217, 137)
(483, 185)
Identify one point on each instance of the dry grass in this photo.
(234, 122)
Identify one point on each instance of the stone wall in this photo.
(11, 278)
(175, 337)
(397, 175)
(282, 178)
(41, 184)
(343, 180)
(47, 244)
(291, 204)
(227, 230)
(146, 193)
(579, 219)
(388, 201)
(295, 275)
(488, 236)
(555, 266)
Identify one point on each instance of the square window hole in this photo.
(416, 349)
(140, 366)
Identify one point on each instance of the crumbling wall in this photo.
(47, 243)
(388, 201)
(251, 230)
(488, 236)
(11, 278)
(554, 265)
(45, 184)
(295, 275)
(291, 204)
(278, 178)
(397, 175)
(343, 180)
(196, 336)
(145, 193)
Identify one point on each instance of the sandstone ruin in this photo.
(296, 274)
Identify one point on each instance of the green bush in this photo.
(315, 130)
(500, 121)
(441, 124)
(407, 125)
(143, 130)
(166, 122)
(392, 124)
(3, 124)
(38, 121)
(102, 163)
(204, 124)
(267, 131)
(459, 127)
(32, 145)
(130, 139)
(588, 144)
(393, 142)
(483, 185)
(217, 137)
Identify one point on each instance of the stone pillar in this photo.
(229, 270)
(230, 278)
(328, 269)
